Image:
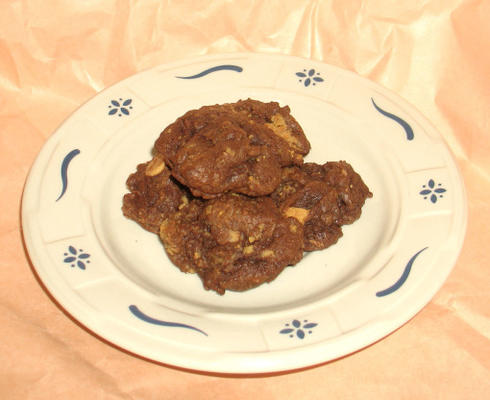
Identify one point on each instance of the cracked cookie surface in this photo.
(322, 198)
(154, 195)
(235, 147)
(233, 242)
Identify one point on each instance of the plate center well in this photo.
(140, 257)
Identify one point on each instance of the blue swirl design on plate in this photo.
(139, 314)
(402, 278)
(298, 328)
(64, 171)
(79, 256)
(235, 68)
(405, 125)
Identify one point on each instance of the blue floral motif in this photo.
(311, 77)
(76, 257)
(298, 328)
(430, 191)
(120, 107)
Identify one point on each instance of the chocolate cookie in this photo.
(232, 242)
(235, 147)
(154, 195)
(322, 198)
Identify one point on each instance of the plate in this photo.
(116, 280)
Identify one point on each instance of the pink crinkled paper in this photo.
(57, 54)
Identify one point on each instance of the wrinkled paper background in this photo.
(57, 54)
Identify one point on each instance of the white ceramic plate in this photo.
(116, 280)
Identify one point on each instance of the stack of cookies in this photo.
(230, 196)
